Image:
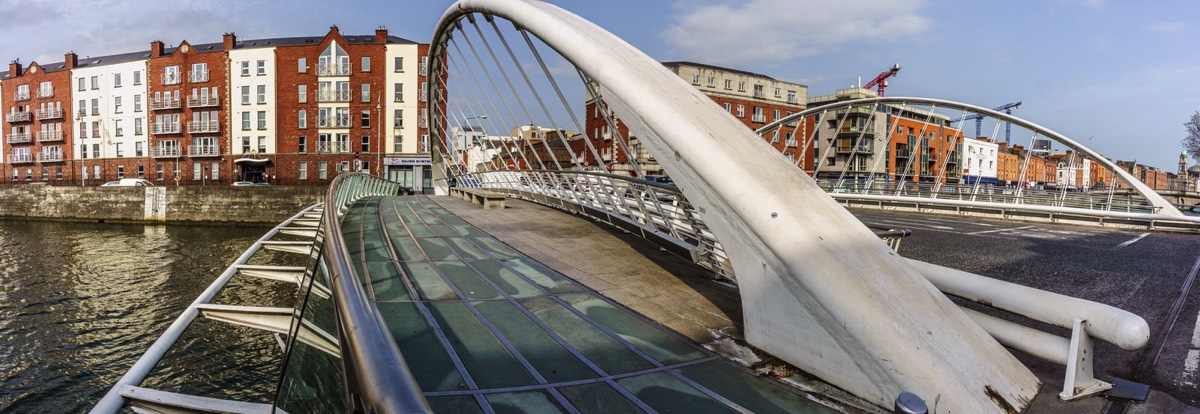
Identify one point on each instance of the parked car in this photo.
(129, 182)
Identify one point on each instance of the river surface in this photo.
(79, 303)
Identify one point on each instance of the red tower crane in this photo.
(881, 80)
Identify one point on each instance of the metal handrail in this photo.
(377, 376)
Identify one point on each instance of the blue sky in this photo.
(1122, 73)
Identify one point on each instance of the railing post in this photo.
(1080, 380)
(909, 403)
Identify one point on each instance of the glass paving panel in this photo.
(464, 404)
(641, 335)
(594, 344)
(427, 281)
(494, 247)
(549, 279)
(427, 360)
(523, 402)
(386, 282)
(436, 249)
(667, 394)
(406, 247)
(484, 356)
(598, 398)
(465, 248)
(467, 281)
(550, 359)
(743, 389)
(504, 278)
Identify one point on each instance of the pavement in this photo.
(1141, 272)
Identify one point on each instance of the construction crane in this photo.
(1007, 108)
(881, 80)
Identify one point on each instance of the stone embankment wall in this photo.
(268, 205)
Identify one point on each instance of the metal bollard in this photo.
(909, 403)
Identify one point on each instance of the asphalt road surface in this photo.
(1146, 273)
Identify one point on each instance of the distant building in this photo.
(980, 161)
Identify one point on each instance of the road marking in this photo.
(1196, 333)
(1190, 365)
(999, 230)
(1172, 316)
(1132, 241)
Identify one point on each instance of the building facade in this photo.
(292, 111)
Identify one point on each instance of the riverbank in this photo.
(178, 205)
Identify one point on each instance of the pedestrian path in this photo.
(485, 328)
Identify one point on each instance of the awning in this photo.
(252, 160)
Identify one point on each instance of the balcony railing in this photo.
(860, 149)
(19, 138)
(166, 103)
(50, 156)
(49, 113)
(166, 152)
(23, 116)
(48, 136)
(164, 128)
(333, 147)
(335, 96)
(792, 143)
(171, 78)
(903, 154)
(203, 127)
(333, 69)
(198, 76)
(202, 101)
(21, 96)
(758, 118)
(334, 122)
(45, 92)
(20, 158)
(204, 151)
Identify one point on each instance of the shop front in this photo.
(411, 172)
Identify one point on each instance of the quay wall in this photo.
(190, 204)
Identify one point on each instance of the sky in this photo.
(1113, 75)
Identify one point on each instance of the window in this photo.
(302, 65)
(398, 143)
(262, 120)
(141, 171)
(741, 110)
(245, 68)
(741, 86)
(791, 96)
(302, 119)
(322, 170)
(95, 82)
(302, 170)
(83, 154)
(399, 118)
(696, 79)
(343, 166)
(96, 154)
(366, 92)
(712, 81)
(365, 146)
(778, 93)
(776, 118)
(137, 77)
(366, 118)
(262, 67)
(728, 107)
(95, 106)
(119, 152)
(82, 83)
(262, 94)
(399, 92)
(398, 64)
(302, 144)
(245, 145)
(366, 63)
(120, 171)
(246, 95)
(216, 169)
(302, 93)
(117, 104)
(137, 103)
(138, 151)
(728, 84)
(95, 129)
(137, 126)
(82, 130)
(96, 171)
(158, 172)
(116, 80)
(196, 171)
(246, 121)
(262, 144)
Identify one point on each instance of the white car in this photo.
(129, 182)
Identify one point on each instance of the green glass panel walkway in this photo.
(486, 329)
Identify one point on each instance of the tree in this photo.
(1191, 143)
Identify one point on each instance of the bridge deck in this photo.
(485, 328)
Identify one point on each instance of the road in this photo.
(1141, 272)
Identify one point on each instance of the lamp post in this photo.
(379, 149)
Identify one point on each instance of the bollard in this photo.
(909, 403)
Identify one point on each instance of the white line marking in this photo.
(1132, 241)
(1196, 333)
(1190, 365)
(999, 230)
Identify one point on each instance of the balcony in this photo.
(164, 151)
(171, 78)
(792, 143)
(164, 128)
(333, 69)
(20, 138)
(166, 103)
(333, 147)
(204, 151)
(198, 76)
(50, 156)
(45, 92)
(21, 96)
(23, 116)
(334, 122)
(49, 136)
(203, 127)
(758, 118)
(859, 149)
(20, 158)
(334, 96)
(903, 155)
(48, 114)
(202, 101)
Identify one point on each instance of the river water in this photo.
(79, 303)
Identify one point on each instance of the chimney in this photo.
(333, 29)
(71, 60)
(381, 35)
(230, 41)
(156, 48)
(14, 69)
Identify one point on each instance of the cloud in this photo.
(779, 30)
(1167, 27)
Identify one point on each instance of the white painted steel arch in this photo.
(819, 289)
(1165, 208)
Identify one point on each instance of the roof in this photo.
(701, 65)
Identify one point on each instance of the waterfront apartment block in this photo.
(752, 98)
(290, 111)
